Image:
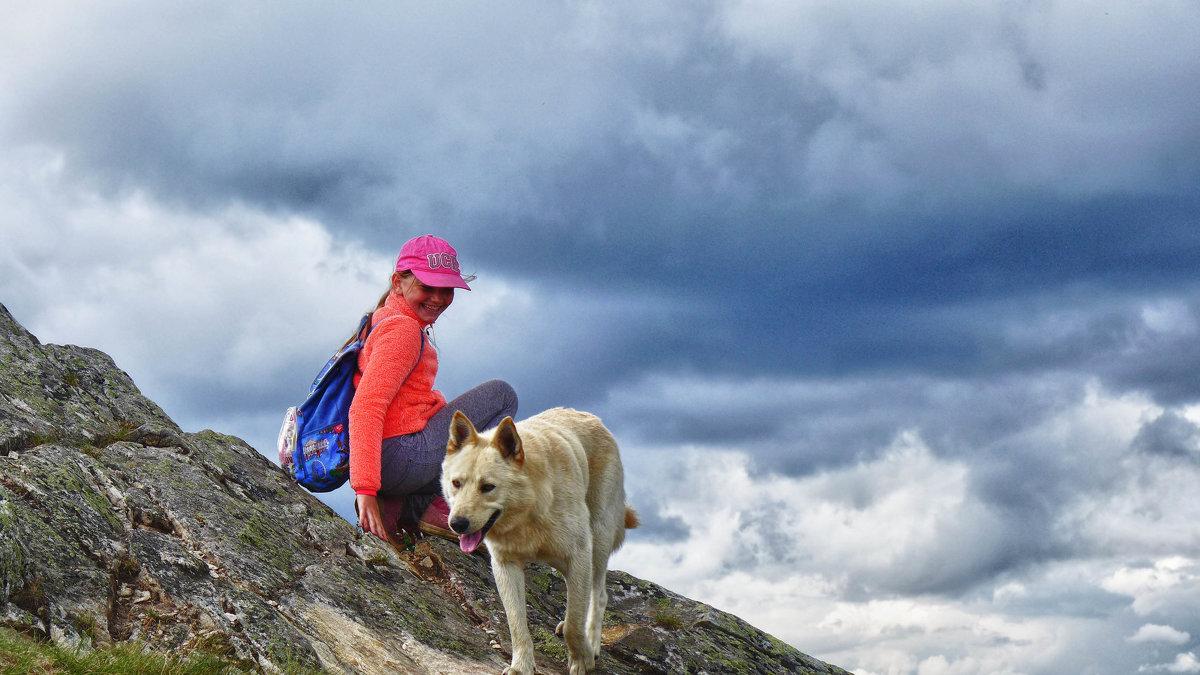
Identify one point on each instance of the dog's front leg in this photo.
(580, 656)
(510, 582)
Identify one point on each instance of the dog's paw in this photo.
(580, 667)
(522, 668)
(582, 661)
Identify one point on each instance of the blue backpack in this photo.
(314, 442)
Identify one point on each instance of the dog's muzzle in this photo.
(468, 541)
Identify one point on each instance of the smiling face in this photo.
(427, 301)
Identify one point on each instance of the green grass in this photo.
(20, 655)
(666, 616)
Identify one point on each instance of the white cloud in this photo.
(1169, 316)
(903, 519)
(220, 301)
(786, 553)
(930, 636)
(1169, 585)
(1185, 662)
(833, 561)
(1150, 508)
(1154, 633)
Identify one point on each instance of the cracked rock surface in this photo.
(115, 525)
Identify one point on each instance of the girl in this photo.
(399, 423)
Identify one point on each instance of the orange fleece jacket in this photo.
(386, 404)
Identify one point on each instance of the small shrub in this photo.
(666, 616)
(86, 623)
(30, 598)
(127, 568)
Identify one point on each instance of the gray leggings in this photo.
(411, 465)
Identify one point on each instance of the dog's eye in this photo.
(487, 487)
(456, 483)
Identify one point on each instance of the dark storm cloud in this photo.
(655, 526)
(689, 177)
(1170, 435)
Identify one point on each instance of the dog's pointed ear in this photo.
(508, 442)
(462, 432)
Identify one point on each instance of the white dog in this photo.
(549, 489)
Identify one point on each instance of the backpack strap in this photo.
(364, 329)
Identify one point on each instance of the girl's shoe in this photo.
(435, 521)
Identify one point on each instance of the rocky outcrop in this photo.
(115, 525)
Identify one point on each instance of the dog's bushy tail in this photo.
(631, 519)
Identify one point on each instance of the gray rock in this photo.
(115, 525)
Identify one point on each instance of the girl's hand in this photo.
(368, 516)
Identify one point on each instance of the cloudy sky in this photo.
(892, 306)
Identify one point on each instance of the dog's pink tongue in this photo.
(469, 542)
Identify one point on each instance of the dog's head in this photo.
(481, 477)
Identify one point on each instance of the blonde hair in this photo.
(404, 274)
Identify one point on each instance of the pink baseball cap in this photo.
(433, 261)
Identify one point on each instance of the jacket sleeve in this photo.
(388, 356)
